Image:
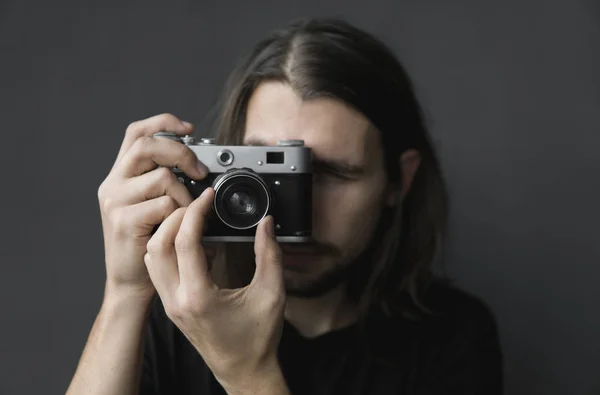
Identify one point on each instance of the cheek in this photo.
(346, 213)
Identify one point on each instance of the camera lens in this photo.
(242, 199)
(239, 201)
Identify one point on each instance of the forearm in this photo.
(111, 361)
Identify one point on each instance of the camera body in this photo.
(251, 182)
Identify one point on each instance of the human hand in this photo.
(236, 331)
(137, 195)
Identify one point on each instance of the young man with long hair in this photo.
(357, 311)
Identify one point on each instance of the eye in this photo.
(330, 174)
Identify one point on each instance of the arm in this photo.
(111, 361)
(269, 381)
(138, 194)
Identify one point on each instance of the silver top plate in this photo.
(295, 159)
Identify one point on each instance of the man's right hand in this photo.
(137, 195)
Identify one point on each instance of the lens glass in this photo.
(241, 201)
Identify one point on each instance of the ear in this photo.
(408, 163)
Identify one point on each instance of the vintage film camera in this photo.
(251, 182)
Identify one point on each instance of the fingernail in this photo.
(204, 193)
(202, 168)
(186, 124)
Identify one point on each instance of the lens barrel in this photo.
(242, 198)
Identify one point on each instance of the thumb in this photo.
(268, 271)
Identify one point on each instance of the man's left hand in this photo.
(236, 331)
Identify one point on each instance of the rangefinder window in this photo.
(275, 157)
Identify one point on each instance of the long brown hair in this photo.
(331, 58)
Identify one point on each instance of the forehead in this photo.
(332, 129)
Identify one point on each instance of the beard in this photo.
(307, 281)
(315, 286)
(353, 269)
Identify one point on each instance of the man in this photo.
(356, 312)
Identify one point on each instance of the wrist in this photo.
(127, 297)
(266, 379)
(116, 291)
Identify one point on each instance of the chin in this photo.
(311, 276)
(303, 269)
(307, 263)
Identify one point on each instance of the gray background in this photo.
(511, 91)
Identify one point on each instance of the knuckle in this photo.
(167, 117)
(191, 303)
(107, 204)
(134, 128)
(120, 221)
(156, 247)
(167, 205)
(165, 174)
(102, 191)
(165, 178)
(143, 143)
(105, 198)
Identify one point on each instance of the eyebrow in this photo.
(340, 167)
(337, 166)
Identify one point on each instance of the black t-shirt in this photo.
(457, 351)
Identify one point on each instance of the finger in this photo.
(140, 219)
(150, 126)
(193, 266)
(147, 153)
(161, 259)
(153, 184)
(268, 271)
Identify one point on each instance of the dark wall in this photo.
(512, 93)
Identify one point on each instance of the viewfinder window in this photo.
(274, 157)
